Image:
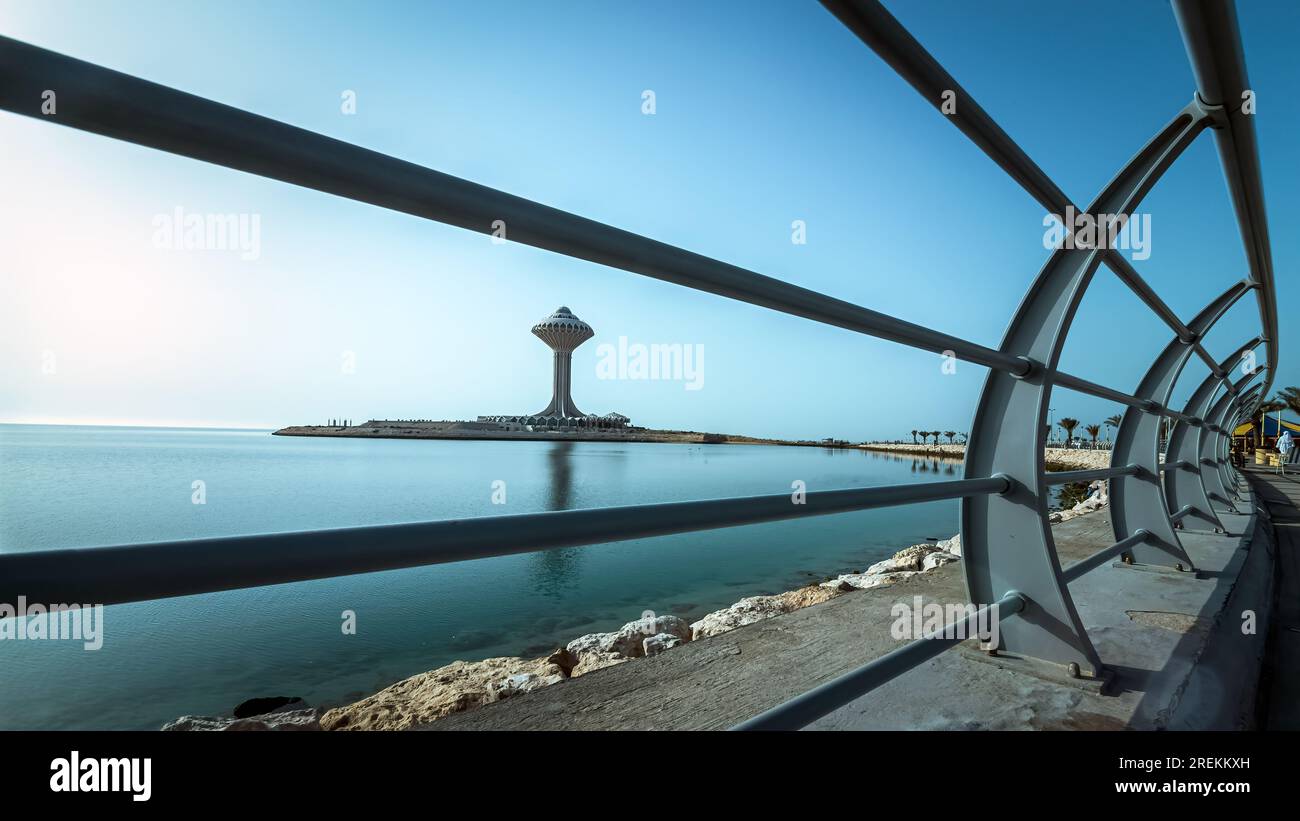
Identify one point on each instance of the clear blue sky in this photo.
(766, 113)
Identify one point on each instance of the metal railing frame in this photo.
(1012, 569)
(1186, 486)
(1138, 502)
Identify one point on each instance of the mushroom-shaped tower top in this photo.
(563, 331)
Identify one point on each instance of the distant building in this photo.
(563, 333)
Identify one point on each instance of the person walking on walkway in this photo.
(1285, 446)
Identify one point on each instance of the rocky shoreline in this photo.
(466, 685)
(1055, 458)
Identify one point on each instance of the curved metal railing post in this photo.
(1245, 409)
(1210, 440)
(1137, 502)
(1233, 476)
(1227, 473)
(1007, 540)
(1185, 486)
(1242, 408)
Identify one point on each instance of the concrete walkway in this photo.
(1174, 641)
(1280, 496)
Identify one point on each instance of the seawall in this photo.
(471, 432)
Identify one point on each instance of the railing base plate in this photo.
(1201, 531)
(1043, 670)
(1160, 568)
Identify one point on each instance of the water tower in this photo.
(563, 332)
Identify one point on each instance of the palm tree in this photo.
(1290, 397)
(1112, 422)
(936, 434)
(913, 437)
(1068, 425)
(1093, 431)
(950, 434)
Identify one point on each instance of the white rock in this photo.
(654, 645)
(745, 611)
(868, 581)
(592, 643)
(596, 661)
(757, 608)
(453, 688)
(1086, 506)
(627, 641)
(521, 683)
(892, 565)
(952, 545)
(281, 721)
(938, 559)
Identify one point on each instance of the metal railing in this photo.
(1012, 569)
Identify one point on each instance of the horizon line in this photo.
(119, 424)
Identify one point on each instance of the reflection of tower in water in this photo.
(559, 462)
(555, 569)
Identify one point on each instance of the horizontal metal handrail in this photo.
(157, 570)
(1099, 558)
(1075, 383)
(1064, 477)
(1212, 40)
(822, 700)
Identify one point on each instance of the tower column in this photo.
(563, 332)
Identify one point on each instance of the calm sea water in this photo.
(87, 486)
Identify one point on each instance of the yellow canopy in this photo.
(1270, 427)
